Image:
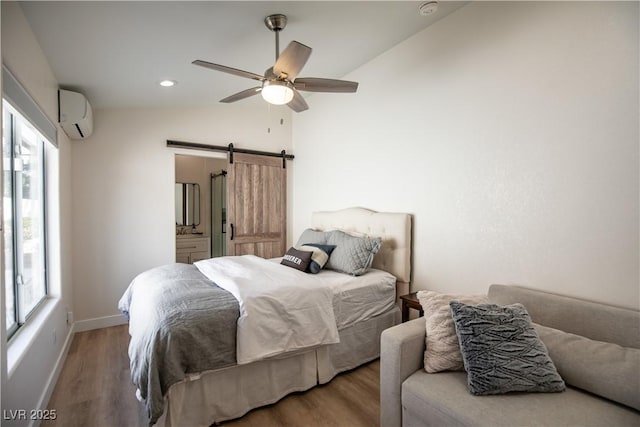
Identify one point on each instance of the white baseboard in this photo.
(79, 326)
(55, 373)
(99, 322)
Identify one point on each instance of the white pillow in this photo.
(443, 348)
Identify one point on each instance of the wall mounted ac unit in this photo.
(74, 114)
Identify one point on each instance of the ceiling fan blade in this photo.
(291, 60)
(229, 70)
(298, 103)
(242, 95)
(313, 84)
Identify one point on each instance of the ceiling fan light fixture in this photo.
(277, 92)
(277, 85)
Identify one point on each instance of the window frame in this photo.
(19, 318)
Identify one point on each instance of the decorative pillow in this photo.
(352, 255)
(319, 256)
(294, 258)
(603, 368)
(501, 350)
(443, 348)
(313, 236)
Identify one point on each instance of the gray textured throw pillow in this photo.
(352, 255)
(501, 350)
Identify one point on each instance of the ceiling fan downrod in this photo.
(276, 23)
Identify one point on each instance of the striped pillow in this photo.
(319, 255)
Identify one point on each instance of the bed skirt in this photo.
(359, 344)
(231, 392)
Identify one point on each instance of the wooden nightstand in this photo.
(410, 301)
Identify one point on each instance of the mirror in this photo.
(187, 204)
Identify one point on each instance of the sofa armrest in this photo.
(401, 354)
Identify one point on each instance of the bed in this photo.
(361, 308)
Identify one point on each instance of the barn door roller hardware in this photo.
(229, 149)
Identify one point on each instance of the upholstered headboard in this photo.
(394, 229)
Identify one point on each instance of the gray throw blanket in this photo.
(180, 323)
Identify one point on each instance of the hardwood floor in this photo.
(95, 389)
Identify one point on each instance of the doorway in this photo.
(242, 205)
(208, 175)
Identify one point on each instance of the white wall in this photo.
(120, 220)
(123, 188)
(28, 385)
(510, 131)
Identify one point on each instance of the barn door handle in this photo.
(232, 230)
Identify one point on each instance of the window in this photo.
(23, 160)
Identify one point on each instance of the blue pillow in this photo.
(319, 255)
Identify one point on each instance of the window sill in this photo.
(24, 338)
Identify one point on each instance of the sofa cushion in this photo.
(443, 399)
(501, 350)
(605, 369)
(443, 350)
(593, 320)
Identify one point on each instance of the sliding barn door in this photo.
(257, 205)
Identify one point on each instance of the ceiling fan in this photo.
(280, 83)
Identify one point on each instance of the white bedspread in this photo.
(281, 309)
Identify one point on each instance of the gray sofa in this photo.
(411, 397)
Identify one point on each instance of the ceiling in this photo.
(116, 53)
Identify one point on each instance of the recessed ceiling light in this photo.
(168, 83)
